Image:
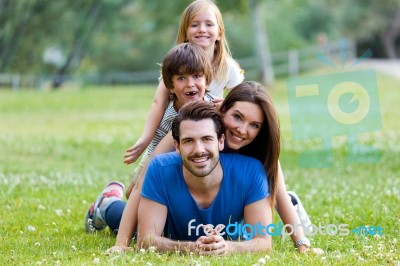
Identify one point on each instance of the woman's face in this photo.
(243, 122)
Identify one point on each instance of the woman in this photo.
(252, 129)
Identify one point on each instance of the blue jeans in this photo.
(113, 215)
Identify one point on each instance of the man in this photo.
(190, 196)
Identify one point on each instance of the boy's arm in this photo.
(152, 121)
(164, 146)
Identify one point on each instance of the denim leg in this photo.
(114, 214)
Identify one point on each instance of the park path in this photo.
(390, 67)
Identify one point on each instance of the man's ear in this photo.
(221, 142)
(176, 144)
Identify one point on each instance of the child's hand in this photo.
(134, 152)
(217, 102)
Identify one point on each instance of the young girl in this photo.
(201, 24)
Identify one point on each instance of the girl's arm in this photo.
(287, 211)
(153, 120)
(129, 218)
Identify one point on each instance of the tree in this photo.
(364, 19)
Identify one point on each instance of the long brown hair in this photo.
(221, 47)
(266, 146)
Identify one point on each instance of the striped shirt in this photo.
(166, 123)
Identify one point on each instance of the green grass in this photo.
(58, 150)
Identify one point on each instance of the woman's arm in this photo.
(287, 211)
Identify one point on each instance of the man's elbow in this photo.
(144, 240)
(264, 245)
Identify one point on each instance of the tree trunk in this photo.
(81, 36)
(262, 50)
(388, 38)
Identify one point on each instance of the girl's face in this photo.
(203, 30)
(243, 122)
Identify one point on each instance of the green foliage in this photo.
(59, 149)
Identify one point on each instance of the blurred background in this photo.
(46, 44)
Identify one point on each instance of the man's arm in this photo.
(152, 218)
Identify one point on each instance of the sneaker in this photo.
(94, 220)
(301, 212)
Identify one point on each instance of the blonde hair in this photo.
(222, 51)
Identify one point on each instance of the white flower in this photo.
(261, 261)
(267, 257)
(73, 248)
(41, 207)
(152, 249)
(30, 228)
(96, 260)
(59, 212)
(142, 250)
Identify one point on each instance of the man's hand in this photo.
(134, 152)
(211, 245)
(117, 249)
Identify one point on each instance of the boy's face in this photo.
(188, 88)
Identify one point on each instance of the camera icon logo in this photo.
(328, 106)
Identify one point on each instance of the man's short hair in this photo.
(196, 111)
(185, 59)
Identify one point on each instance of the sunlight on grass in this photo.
(58, 150)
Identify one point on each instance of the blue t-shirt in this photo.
(244, 182)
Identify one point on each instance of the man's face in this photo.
(199, 146)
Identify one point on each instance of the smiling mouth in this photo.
(236, 138)
(191, 93)
(200, 160)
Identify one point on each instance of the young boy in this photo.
(186, 72)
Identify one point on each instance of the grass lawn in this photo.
(59, 149)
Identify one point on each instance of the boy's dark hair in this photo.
(196, 111)
(184, 59)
